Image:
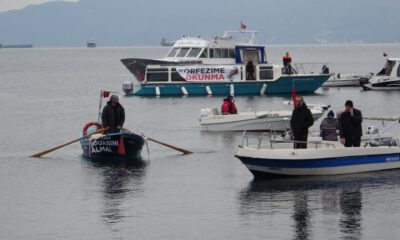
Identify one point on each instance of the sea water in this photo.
(48, 95)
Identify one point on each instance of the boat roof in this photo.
(394, 59)
(227, 40)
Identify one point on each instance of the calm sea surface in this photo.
(47, 95)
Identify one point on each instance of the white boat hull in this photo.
(350, 81)
(251, 121)
(318, 161)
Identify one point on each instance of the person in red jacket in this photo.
(228, 106)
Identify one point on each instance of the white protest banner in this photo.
(210, 73)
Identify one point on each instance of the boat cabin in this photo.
(212, 54)
(392, 68)
(218, 50)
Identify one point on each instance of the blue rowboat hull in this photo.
(283, 85)
(264, 167)
(107, 148)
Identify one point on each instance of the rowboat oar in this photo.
(382, 118)
(66, 144)
(184, 151)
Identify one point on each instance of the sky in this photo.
(6, 5)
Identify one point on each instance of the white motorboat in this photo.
(222, 65)
(388, 80)
(213, 120)
(346, 80)
(278, 158)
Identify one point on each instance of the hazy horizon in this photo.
(124, 23)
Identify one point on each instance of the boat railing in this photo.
(273, 139)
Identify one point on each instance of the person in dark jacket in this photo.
(329, 127)
(350, 126)
(250, 70)
(301, 120)
(113, 115)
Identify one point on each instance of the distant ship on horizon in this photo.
(16, 46)
(166, 43)
(91, 43)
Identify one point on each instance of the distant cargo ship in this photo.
(166, 43)
(91, 43)
(17, 46)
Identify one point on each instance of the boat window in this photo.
(157, 75)
(183, 52)
(204, 53)
(211, 52)
(175, 76)
(218, 53)
(225, 53)
(398, 71)
(266, 73)
(173, 52)
(231, 53)
(194, 52)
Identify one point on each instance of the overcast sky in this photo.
(6, 5)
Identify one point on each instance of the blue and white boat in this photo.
(279, 159)
(113, 147)
(216, 66)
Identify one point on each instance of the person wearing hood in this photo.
(228, 106)
(301, 120)
(113, 115)
(329, 127)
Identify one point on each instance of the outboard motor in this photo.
(127, 87)
(204, 112)
(372, 130)
(364, 80)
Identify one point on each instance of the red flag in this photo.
(105, 94)
(242, 26)
(121, 148)
(294, 95)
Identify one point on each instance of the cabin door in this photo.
(250, 55)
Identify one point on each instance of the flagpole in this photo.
(101, 98)
(293, 94)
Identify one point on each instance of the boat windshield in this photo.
(194, 52)
(173, 52)
(183, 52)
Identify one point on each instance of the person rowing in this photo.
(113, 115)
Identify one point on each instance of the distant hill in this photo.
(132, 22)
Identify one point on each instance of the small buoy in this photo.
(158, 93)
(263, 89)
(232, 90)
(184, 91)
(208, 89)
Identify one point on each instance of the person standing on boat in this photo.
(113, 115)
(325, 69)
(287, 60)
(301, 120)
(329, 127)
(350, 126)
(250, 70)
(385, 68)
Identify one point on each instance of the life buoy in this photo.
(88, 125)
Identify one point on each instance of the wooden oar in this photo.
(382, 118)
(184, 151)
(66, 144)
